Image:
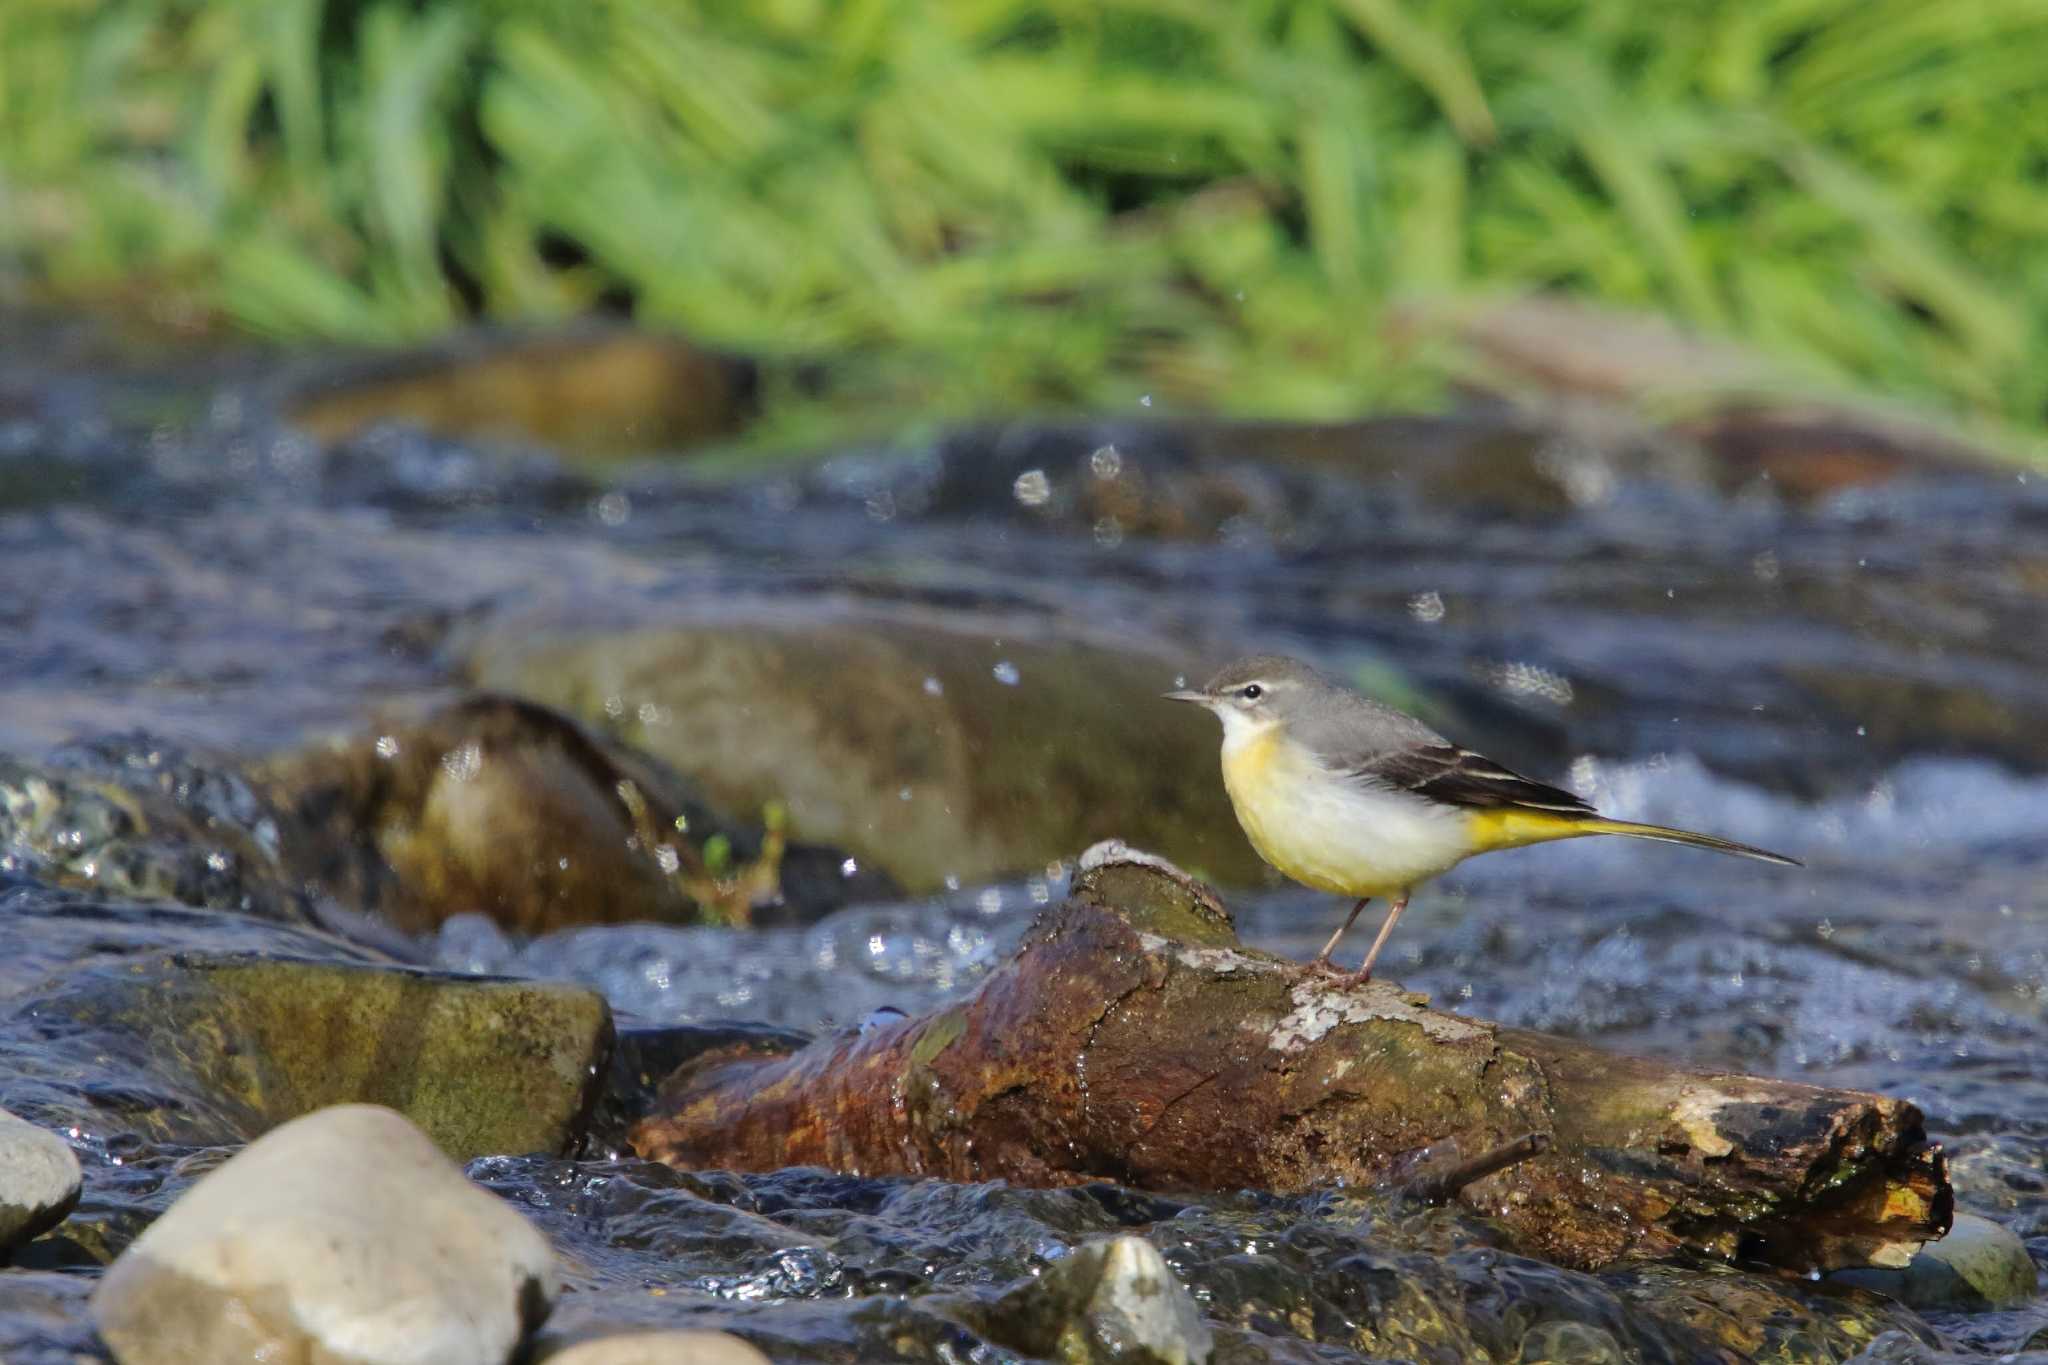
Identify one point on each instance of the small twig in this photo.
(1441, 1187)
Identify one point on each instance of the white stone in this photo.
(1140, 1309)
(341, 1238)
(661, 1348)
(39, 1179)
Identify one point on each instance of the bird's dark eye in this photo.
(1251, 691)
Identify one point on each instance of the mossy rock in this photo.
(484, 1066)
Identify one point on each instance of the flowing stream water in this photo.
(1853, 670)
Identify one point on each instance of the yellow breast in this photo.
(1333, 833)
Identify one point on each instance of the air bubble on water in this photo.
(990, 901)
(1006, 673)
(613, 509)
(1146, 401)
(848, 868)
(1109, 532)
(903, 793)
(934, 688)
(387, 746)
(1107, 462)
(1427, 606)
(1032, 487)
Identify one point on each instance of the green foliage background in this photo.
(975, 204)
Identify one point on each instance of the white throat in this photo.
(1240, 729)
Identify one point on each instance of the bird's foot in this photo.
(1320, 967)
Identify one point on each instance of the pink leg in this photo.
(1322, 962)
(1372, 954)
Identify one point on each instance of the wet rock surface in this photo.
(494, 805)
(481, 1066)
(1131, 1037)
(345, 1236)
(1798, 632)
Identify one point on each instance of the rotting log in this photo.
(1131, 1038)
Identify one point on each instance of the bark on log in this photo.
(1130, 1038)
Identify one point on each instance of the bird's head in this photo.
(1257, 693)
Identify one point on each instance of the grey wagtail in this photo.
(1346, 795)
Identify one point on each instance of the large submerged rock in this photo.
(933, 746)
(481, 1066)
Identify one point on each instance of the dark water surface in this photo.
(1855, 673)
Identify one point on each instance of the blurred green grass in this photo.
(976, 205)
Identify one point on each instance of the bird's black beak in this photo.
(1198, 698)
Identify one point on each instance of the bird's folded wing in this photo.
(1459, 777)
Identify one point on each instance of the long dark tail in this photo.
(1664, 834)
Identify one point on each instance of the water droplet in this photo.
(903, 793)
(882, 506)
(934, 688)
(1107, 462)
(387, 746)
(1146, 401)
(1109, 532)
(1032, 487)
(1426, 606)
(1860, 732)
(613, 508)
(1006, 673)
(848, 868)
(463, 762)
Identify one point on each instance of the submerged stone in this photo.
(1109, 1303)
(933, 747)
(133, 817)
(343, 1236)
(592, 390)
(505, 807)
(482, 1066)
(1979, 1264)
